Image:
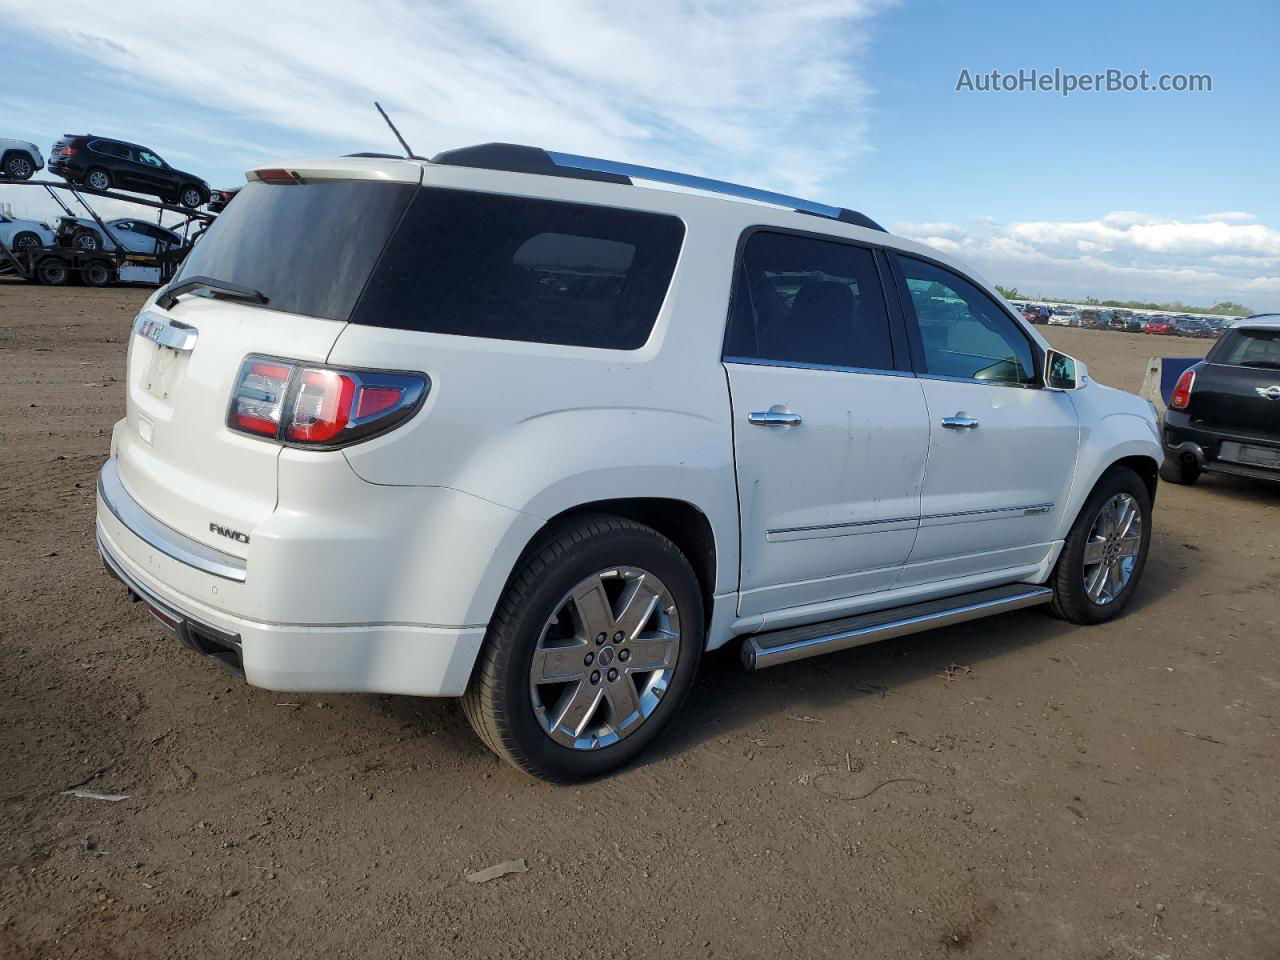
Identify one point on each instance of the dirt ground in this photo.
(1074, 793)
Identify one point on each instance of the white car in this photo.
(19, 159)
(24, 234)
(130, 233)
(520, 430)
(1064, 317)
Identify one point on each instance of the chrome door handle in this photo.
(960, 423)
(774, 418)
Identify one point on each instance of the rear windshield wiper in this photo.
(219, 288)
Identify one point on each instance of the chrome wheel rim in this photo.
(191, 198)
(20, 168)
(98, 181)
(605, 658)
(1111, 552)
(27, 243)
(87, 243)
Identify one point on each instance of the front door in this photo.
(830, 433)
(1002, 448)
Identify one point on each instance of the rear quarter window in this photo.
(523, 269)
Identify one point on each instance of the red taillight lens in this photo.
(258, 403)
(321, 406)
(1182, 390)
(277, 176)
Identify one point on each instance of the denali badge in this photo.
(227, 532)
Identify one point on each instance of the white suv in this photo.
(508, 426)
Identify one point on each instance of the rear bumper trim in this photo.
(160, 535)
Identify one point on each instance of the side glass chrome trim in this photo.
(800, 365)
(160, 535)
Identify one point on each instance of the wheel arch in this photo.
(680, 521)
(1146, 467)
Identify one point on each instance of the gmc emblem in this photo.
(227, 532)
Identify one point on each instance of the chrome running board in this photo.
(796, 643)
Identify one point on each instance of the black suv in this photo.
(101, 163)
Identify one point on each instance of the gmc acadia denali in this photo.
(535, 430)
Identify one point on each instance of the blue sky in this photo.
(1152, 195)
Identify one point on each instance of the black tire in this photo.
(1176, 470)
(1070, 598)
(96, 273)
(86, 240)
(26, 240)
(53, 272)
(19, 166)
(97, 174)
(190, 196)
(498, 701)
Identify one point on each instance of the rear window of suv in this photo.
(517, 268)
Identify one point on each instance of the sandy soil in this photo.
(1081, 793)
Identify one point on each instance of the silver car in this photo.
(132, 235)
(24, 234)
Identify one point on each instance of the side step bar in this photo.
(796, 643)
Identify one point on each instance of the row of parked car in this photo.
(1126, 321)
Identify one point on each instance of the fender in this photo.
(1103, 441)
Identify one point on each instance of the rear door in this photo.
(175, 454)
(1002, 448)
(830, 433)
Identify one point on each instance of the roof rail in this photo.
(521, 159)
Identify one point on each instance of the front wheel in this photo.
(1105, 552)
(190, 197)
(591, 651)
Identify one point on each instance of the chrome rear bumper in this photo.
(160, 535)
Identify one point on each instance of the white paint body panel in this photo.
(379, 566)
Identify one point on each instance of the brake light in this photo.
(1182, 390)
(277, 176)
(68, 151)
(320, 406)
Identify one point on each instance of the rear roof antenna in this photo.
(407, 152)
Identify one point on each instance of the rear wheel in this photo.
(591, 651)
(19, 166)
(96, 273)
(97, 179)
(1177, 470)
(1105, 552)
(53, 272)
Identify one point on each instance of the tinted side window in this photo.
(963, 332)
(517, 268)
(808, 301)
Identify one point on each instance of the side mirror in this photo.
(1063, 372)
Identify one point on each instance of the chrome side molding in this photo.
(796, 643)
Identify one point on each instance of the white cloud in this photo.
(1122, 255)
(1229, 216)
(715, 86)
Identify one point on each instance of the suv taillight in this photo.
(311, 405)
(1182, 390)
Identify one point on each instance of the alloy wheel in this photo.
(605, 658)
(20, 168)
(1112, 550)
(99, 180)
